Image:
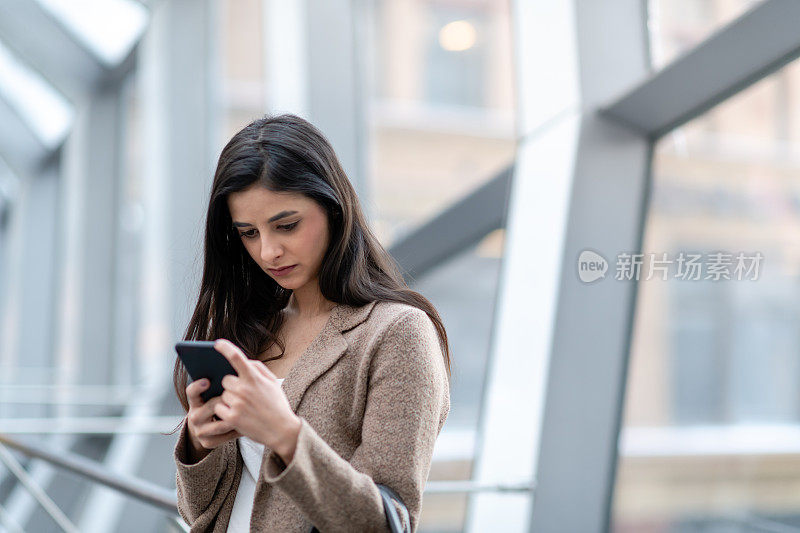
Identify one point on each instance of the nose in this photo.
(270, 251)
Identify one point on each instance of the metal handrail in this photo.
(36, 491)
(165, 499)
(91, 425)
(139, 489)
(468, 486)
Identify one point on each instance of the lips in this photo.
(282, 271)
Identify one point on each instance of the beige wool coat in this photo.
(372, 394)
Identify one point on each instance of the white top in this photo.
(252, 453)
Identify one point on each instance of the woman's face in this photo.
(281, 229)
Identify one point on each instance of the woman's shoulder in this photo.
(405, 337)
(388, 314)
(382, 322)
(397, 322)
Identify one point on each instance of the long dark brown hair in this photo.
(237, 300)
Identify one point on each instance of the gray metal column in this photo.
(582, 409)
(91, 179)
(128, 238)
(30, 314)
(286, 44)
(12, 241)
(336, 82)
(9, 197)
(188, 81)
(559, 354)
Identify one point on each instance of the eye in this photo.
(248, 234)
(289, 227)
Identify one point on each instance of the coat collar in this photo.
(323, 352)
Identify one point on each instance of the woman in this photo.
(295, 287)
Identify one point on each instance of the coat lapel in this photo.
(323, 352)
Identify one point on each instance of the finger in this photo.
(222, 410)
(227, 398)
(207, 409)
(230, 382)
(218, 440)
(219, 427)
(234, 356)
(193, 391)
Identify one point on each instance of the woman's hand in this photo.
(205, 432)
(254, 404)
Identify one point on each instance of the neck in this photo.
(308, 304)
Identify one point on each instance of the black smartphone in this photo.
(203, 361)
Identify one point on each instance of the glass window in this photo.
(456, 56)
(677, 26)
(711, 431)
(441, 111)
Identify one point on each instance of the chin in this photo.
(288, 285)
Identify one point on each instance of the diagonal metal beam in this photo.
(456, 228)
(38, 38)
(19, 145)
(758, 43)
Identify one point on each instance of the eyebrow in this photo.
(282, 214)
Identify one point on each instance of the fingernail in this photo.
(204, 383)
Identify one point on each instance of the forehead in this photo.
(257, 200)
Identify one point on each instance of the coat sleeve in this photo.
(407, 403)
(201, 486)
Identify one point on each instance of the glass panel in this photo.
(677, 26)
(109, 28)
(711, 434)
(441, 106)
